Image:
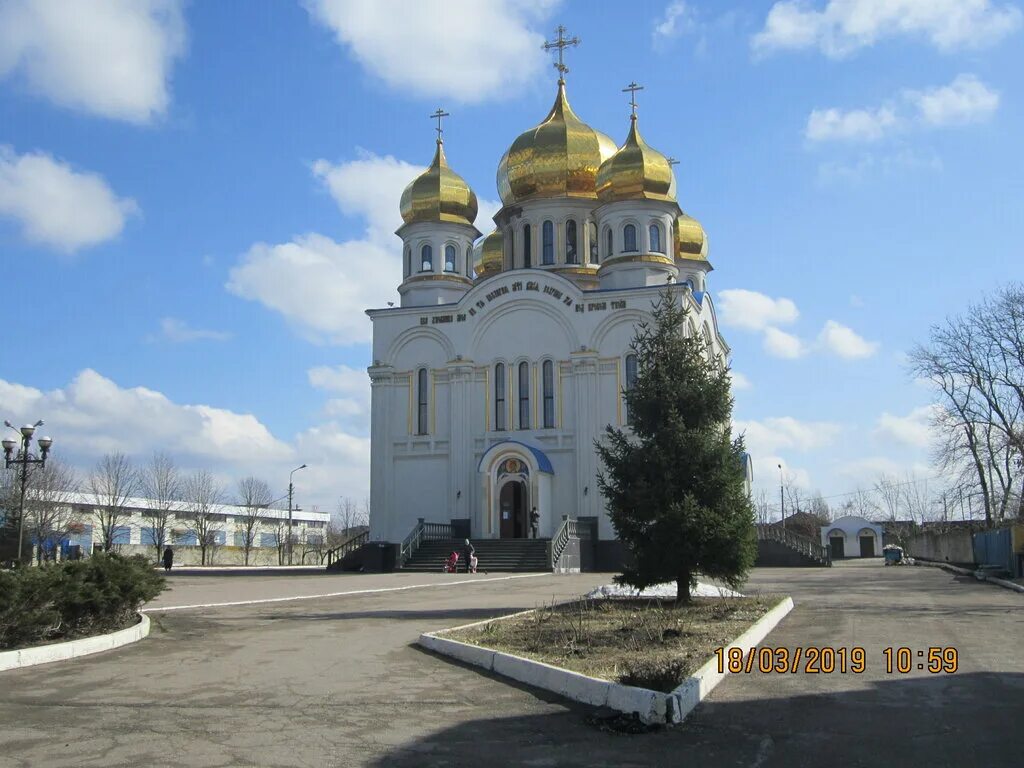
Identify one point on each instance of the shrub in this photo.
(62, 601)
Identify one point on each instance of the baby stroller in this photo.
(451, 564)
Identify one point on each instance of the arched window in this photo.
(500, 411)
(408, 261)
(421, 400)
(592, 232)
(524, 395)
(549, 394)
(469, 261)
(630, 381)
(655, 233)
(449, 258)
(610, 245)
(548, 237)
(571, 254)
(629, 238)
(426, 259)
(527, 247)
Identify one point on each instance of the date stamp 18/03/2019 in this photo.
(816, 660)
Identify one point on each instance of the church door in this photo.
(512, 509)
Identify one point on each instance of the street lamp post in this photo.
(291, 491)
(782, 498)
(24, 457)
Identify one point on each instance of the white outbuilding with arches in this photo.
(852, 536)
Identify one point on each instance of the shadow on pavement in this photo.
(946, 720)
(454, 615)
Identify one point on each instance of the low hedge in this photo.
(63, 601)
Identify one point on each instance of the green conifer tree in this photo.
(674, 482)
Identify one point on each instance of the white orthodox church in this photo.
(508, 356)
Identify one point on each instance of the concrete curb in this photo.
(693, 690)
(72, 649)
(650, 706)
(966, 572)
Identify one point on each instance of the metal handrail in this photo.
(796, 541)
(422, 531)
(337, 553)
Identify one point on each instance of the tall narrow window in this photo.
(408, 261)
(421, 402)
(500, 411)
(610, 245)
(548, 236)
(629, 238)
(426, 259)
(449, 258)
(524, 395)
(571, 254)
(655, 233)
(549, 394)
(527, 247)
(469, 261)
(630, 381)
(592, 232)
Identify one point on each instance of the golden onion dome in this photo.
(691, 239)
(439, 194)
(636, 171)
(558, 158)
(492, 255)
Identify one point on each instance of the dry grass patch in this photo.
(646, 643)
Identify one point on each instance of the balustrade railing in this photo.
(337, 553)
(795, 541)
(570, 528)
(422, 531)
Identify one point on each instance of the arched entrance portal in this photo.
(514, 520)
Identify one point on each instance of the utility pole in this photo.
(782, 498)
(291, 491)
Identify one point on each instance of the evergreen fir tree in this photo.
(674, 482)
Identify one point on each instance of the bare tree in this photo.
(162, 485)
(111, 484)
(49, 514)
(818, 507)
(762, 507)
(202, 498)
(254, 497)
(917, 500)
(281, 530)
(888, 496)
(350, 516)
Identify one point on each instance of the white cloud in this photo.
(868, 165)
(679, 19)
(107, 57)
(914, 429)
(753, 311)
(178, 331)
(463, 50)
(853, 125)
(845, 342)
(781, 344)
(739, 381)
(56, 205)
(321, 286)
(93, 415)
(351, 407)
(765, 439)
(845, 26)
(965, 100)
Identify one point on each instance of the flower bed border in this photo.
(73, 649)
(650, 706)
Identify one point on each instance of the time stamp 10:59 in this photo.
(816, 660)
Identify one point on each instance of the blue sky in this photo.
(197, 200)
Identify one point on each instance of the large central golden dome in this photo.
(558, 158)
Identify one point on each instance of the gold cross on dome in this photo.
(673, 161)
(439, 115)
(561, 43)
(633, 88)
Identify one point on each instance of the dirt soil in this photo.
(646, 643)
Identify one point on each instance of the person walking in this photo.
(168, 559)
(467, 553)
(534, 521)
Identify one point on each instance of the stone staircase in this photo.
(777, 547)
(495, 555)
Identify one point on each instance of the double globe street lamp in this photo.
(23, 458)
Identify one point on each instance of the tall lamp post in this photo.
(782, 498)
(24, 458)
(291, 491)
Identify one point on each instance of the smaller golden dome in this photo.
(636, 172)
(439, 194)
(492, 255)
(691, 239)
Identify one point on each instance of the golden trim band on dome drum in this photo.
(647, 258)
(569, 269)
(447, 276)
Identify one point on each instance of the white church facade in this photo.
(508, 355)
